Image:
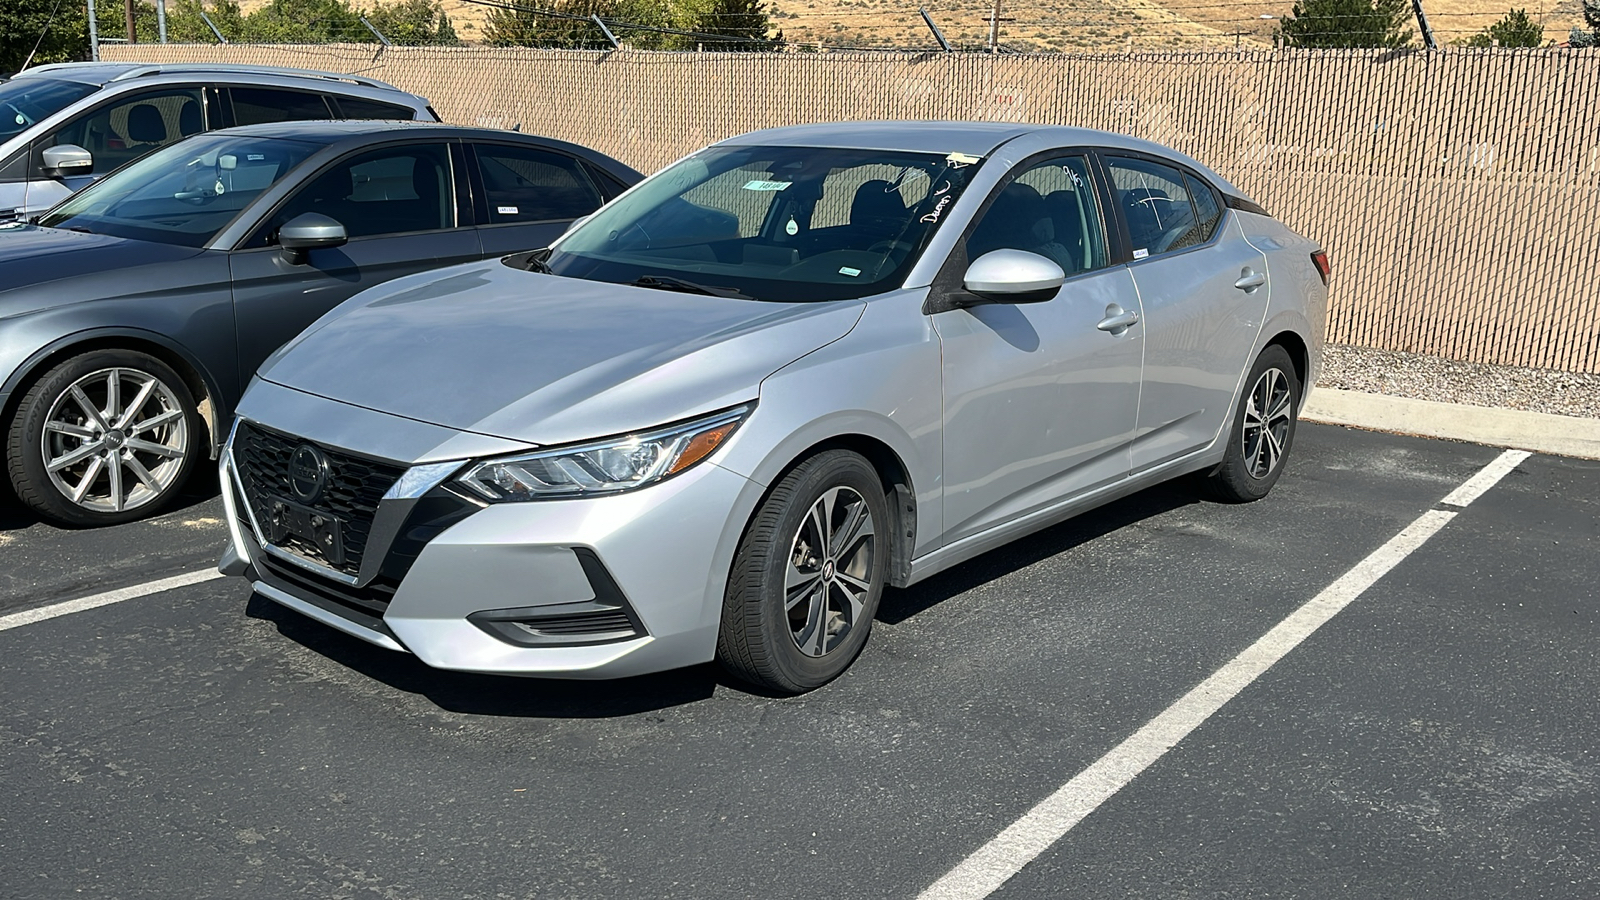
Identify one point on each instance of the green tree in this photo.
(1591, 17)
(1329, 24)
(1515, 30)
(528, 27)
(737, 18)
(60, 29)
(413, 22)
(304, 22)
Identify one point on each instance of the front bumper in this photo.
(596, 588)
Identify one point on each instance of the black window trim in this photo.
(480, 191)
(1122, 224)
(243, 245)
(948, 282)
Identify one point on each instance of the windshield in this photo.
(182, 194)
(27, 100)
(788, 224)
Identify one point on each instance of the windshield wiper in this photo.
(79, 228)
(668, 283)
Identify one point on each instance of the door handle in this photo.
(1250, 279)
(1117, 320)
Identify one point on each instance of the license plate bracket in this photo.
(325, 532)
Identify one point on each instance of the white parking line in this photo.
(991, 865)
(67, 607)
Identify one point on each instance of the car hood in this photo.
(548, 360)
(31, 255)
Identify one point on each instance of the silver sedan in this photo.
(718, 418)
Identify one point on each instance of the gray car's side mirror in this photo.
(306, 232)
(67, 159)
(1014, 276)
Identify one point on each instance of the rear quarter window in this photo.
(360, 108)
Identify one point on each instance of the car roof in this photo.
(977, 138)
(104, 73)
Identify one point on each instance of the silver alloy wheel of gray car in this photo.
(115, 440)
(1266, 422)
(828, 579)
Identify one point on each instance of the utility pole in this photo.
(94, 35)
(994, 27)
(161, 19)
(133, 36)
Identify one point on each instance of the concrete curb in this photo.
(1539, 432)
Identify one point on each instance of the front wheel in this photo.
(105, 437)
(808, 575)
(1262, 430)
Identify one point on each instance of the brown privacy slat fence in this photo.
(1457, 191)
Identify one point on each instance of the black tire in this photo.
(170, 400)
(1251, 467)
(760, 640)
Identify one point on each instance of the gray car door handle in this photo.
(1117, 320)
(1250, 279)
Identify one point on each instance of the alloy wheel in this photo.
(115, 440)
(828, 577)
(1266, 422)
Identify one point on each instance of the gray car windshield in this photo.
(788, 224)
(182, 194)
(28, 100)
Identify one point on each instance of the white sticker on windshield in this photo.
(849, 271)
(255, 157)
(506, 210)
(1141, 253)
(758, 185)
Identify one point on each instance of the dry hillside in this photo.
(1094, 25)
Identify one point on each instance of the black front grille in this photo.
(362, 605)
(355, 485)
(582, 623)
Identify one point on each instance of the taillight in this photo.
(1324, 268)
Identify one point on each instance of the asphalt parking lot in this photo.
(1436, 738)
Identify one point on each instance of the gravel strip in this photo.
(1451, 381)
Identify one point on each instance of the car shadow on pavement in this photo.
(900, 604)
(495, 695)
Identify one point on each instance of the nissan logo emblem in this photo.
(308, 473)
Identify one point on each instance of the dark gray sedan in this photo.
(132, 315)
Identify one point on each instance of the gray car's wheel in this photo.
(105, 437)
(1262, 430)
(807, 576)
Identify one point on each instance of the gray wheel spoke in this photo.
(76, 456)
(141, 473)
(114, 471)
(156, 421)
(798, 585)
(144, 446)
(857, 526)
(113, 395)
(88, 407)
(72, 430)
(816, 637)
(139, 399)
(89, 475)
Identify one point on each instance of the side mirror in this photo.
(307, 232)
(1014, 276)
(67, 159)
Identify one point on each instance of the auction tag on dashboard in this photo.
(758, 185)
(506, 210)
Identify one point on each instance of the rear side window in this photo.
(358, 108)
(1206, 211)
(256, 106)
(525, 184)
(1159, 208)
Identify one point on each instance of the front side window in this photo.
(787, 224)
(125, 130)
(389, 191)
(183, 194)
(1050, 209)
(524, 184)
(27, 101)
(1162, 213)
(255, 106)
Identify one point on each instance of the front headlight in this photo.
(607, 467)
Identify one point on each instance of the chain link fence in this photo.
(1457, 191)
